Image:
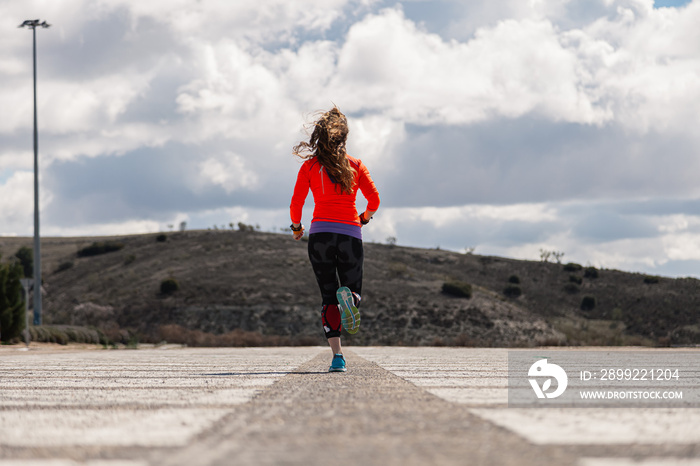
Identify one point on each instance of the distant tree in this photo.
(169, 286)
(26, 258)
(545, 255)
(183, 226)
(11, 302)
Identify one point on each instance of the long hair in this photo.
(327, 144)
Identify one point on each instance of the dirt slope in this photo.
(262, 282)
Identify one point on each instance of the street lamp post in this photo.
(33, 24)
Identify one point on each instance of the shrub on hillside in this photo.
(572, 267)
(459, 289)
(651, 280)
(169, 286)
(162, 238)
(590, 272)
(63, 266)
(571, 288)
(243, 227)
(575, 279)
(617, 314)
(514, 279)
(512, 291)
(588, 303)
(104, 247)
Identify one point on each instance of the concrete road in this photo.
(271, 406)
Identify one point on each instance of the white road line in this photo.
(120, 427)
(639, 462)
(461, 375)
(602, 426)
(478, 377)
(149, 398)
(67, 462)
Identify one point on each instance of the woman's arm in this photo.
(369, 190)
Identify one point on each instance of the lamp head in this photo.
(33, 23)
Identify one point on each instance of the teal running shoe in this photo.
(338, 364)
(349, 315)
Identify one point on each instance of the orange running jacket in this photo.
(331, 204)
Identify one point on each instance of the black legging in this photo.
(331, 252)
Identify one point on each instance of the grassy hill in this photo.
(246, 287)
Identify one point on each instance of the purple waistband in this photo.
(334, 227)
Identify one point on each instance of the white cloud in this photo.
(681, 246)
(11, 160)
(374, 139)
(262, 20)
(229, 171)
(389, 65)
(17, 203)
(607, 71)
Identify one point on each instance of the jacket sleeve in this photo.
(301, 190)
(369, 190)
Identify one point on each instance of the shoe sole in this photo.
(337, 370)
(350, 315)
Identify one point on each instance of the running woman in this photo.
(335, 235)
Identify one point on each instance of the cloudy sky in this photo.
(509, 126)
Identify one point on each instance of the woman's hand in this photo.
(297, 230)
(366, 216)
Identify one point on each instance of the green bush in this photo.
(64, 266)
(571, 288)
(459, 289)
(169, 286)
(575, 279)
(26, 258)
(512, 291)
(96, 249)
(243, 227)
(12, 316)
(572, 267)
(514, 279)
(162, 238)
(588, 303)
(651, 280)
(590, 272)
